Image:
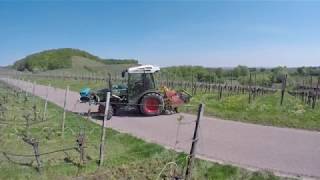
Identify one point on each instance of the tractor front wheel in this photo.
(102, 108)
(151, 104)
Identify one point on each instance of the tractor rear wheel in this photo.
(151, 104)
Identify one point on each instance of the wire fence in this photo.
(217, 91)
(307, 90)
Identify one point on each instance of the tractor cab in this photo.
(140, 82)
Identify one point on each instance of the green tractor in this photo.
(139, 92)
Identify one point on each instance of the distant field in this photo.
(126, 157)
(265, 110)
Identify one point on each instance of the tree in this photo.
(219, 72)
(302, 71)
(240, 71)
(253, 69)
(278, 73)
(262, 69)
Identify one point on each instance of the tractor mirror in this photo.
(123, 74)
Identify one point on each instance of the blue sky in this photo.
(207, 33)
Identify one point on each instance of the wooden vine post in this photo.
(255, 86)
(220, 92)
(284, 84)
(250, 89)
(192, 84)
(46, 104)
(103, 129)
(27, 87)
(64, 110)
(188, 173)
(167, 79)
(318, 87)
(231, 79)
(315, 94)
(33, 92)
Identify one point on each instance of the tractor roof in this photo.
(144, 69)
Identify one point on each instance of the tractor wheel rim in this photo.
(151, 105)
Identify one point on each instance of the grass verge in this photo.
(265, 110)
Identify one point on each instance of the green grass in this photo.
(126, 157)
(264, 110)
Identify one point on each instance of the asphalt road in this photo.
(281, 150)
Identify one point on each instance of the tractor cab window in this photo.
(148, 81)
(139, 83)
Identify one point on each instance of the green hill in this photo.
(84, 66)
(65, 58)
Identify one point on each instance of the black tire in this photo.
(151, 104)
(110, 113)
(114, 110)
(102, 109)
